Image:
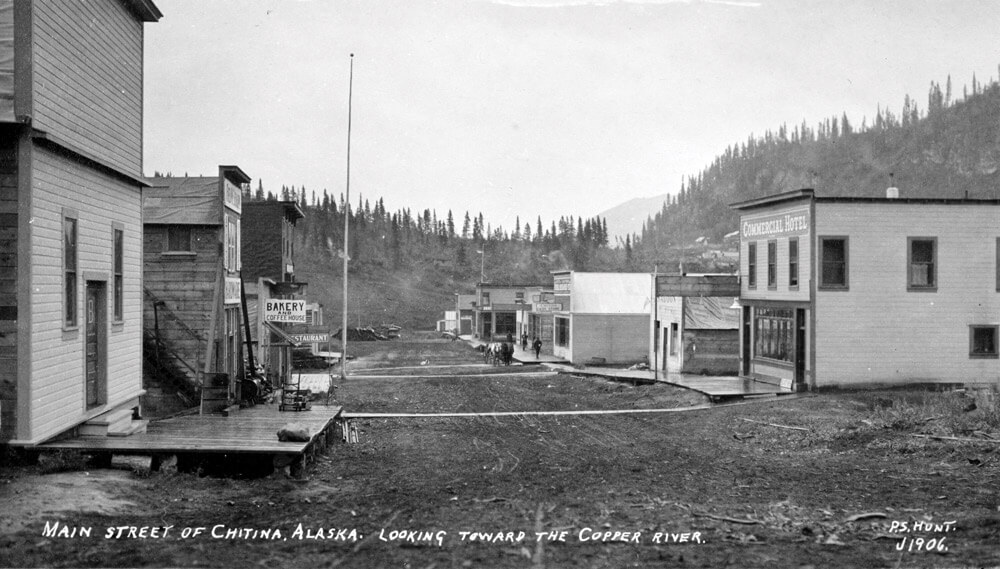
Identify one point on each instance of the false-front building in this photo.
(844, 291)
(194, 304)
(70, 213)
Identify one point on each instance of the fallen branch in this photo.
(727, 519)
(776, 425)
(960, 439)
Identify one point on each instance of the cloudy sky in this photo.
(528, 107)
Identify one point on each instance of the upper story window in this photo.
(486, 299)
(179, 239)
(70, 283)
(751, 265)
(922, 263)
(833, 262)
(518, 297)
(772, 264)
(793, 263)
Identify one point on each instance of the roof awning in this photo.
(283, 338)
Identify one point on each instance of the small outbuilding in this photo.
(696, 325)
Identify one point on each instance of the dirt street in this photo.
(836, 479)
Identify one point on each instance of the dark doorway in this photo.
(800, 348)
(745, 347)
(96, 344)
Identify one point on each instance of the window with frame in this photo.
(833, 262)
(751, 265)
(118, 244)
(562, 332)
(793, 262)
(179, 239)
(772, 264)
(983, 341)
(519, 297)
(70, 284)
(486, 298)
(922, 263)
(774, 330)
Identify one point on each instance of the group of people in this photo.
(536, 343)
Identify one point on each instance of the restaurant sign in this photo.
(548, 306)
(276, 310)
(784, 224)
(310, 338)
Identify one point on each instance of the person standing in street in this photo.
(524, 341)
(537, 346)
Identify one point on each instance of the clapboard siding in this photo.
(57, 382)
(87, 80)
(185, 284)
(877, 331)
(782, 291)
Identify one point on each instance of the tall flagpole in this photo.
(347, 210)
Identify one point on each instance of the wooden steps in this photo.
(117, 423)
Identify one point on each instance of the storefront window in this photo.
(774, 333)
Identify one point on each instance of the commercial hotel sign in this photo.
(784, 224)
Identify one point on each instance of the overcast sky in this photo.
(528, 107)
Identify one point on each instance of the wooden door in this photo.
(96, 336)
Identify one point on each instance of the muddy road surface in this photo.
(838, 479)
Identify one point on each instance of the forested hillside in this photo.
(950, 148)
(406, 265)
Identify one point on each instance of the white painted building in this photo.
(70, 213)
(605, 317)
(846, 291)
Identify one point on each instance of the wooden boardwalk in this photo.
(251, 431)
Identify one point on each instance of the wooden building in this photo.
(605, 319)
(696, 326)
(501, 309)
(465, 310)
(70, 215)
(846, 291)
(193, 308)
(269, 270)
(544, 304)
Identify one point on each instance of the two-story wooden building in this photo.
(70, 214)
(269, 274)
(192, 285)
(845, 291)
(501, 309)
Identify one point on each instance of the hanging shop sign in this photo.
(310, 338)
(278, 310)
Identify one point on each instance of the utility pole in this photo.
(347, 210)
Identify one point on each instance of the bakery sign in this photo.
(277, 310)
